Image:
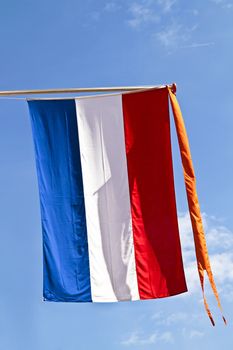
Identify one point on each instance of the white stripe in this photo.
(107, 202)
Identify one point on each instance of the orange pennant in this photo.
(202, 256)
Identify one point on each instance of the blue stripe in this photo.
(65, 248)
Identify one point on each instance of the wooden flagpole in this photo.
(79, 90)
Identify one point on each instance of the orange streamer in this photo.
(202, 256)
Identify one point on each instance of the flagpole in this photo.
(80, 90)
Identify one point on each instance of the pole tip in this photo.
(174, 88)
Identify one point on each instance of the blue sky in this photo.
(72, 43)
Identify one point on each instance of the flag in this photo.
(107, 198)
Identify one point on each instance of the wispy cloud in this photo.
(171, 36)
(196, 334)
(177, 36)
(148, 11)
(192, 333)
(166, 5)
(223, 3)
(220, 245)
(168, 320)
(136, 339)
(165, 324)
(112, 6)
(171, 326)
(197, 45)
(140, 13)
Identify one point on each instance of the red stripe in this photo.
(156, 237)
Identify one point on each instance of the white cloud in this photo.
(166, 337)
(131, 340)
(149, 11)
(223, 3)
(227, 292)
(220, 236)
(168, 320)
(222, 265)
(136, 339)
(176, 317)
(197, 45)
(166, 4)
(192, 333)
(177, 36)
(141, 12)
(184, 323)
(112, 6)
(219, 242)
(195, 334)
(172, 36)
(166, 323)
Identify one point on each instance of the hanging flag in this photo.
(107, 198)
(108, 207)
